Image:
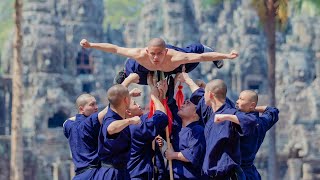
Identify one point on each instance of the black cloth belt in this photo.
(86, 168)
(235, 174)
(110, 165)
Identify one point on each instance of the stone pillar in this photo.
(55, 171)
(294, 168)
(307, 172)
(318, 64)
(72, 173)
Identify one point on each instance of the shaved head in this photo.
(83, 99)
(251, 95)
(218, 87)
(157, 42)
(116, 94)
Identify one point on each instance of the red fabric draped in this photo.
(152, 108)
(179, 96)
(169, 114)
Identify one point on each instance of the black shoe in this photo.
(120, 77)
(218, 64)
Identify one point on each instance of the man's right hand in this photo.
(163, 88)
(155, 92)
(218, 118)
(135, 120)
(85, 43)
(233, 54)
(133, 77)
(159, 140)
(135, 92)
(183, 77)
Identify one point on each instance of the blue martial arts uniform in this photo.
(113, 150)
(132, 66)
(250, 143)
(162, 171)
(140, 165)
(82, 134)
(222, 157)
(191, 143)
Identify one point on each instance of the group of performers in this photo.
(205, 137)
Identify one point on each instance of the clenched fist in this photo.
(135, 120)
(85, 43)
(135, 92)
(233, 54)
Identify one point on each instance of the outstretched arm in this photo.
(132, 78)
(156, 94)
(260, 109)
(119, 125)
(184, 77)
(183, 58)
(101, 114)
(218, 118)
(135, 53)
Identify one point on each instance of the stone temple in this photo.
(56, 70)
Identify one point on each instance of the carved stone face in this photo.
(48, 60)
(83, 10)
(299, 70)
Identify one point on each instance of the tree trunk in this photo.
(16, 159)
(270, 28)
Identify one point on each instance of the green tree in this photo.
(121, 11)
(6, 20)
(16, 159)
(309, 7)
(271, 14)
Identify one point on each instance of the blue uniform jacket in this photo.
(113, 149)
(222, 139)
(140, 165)
(250, 143)
(82, 134)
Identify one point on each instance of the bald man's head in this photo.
(116, 95)
(247, 101)
(157, 42)
(218, 87)
(251, 95)
(83, 99)
(86, 104)
(157, 51)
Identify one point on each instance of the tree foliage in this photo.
(281, 7)
(206, 4)
(309, 7)
(6, 20)
(118, 12)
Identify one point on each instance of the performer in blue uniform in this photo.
(250, 142)
(188, 144)
(114, 137)
(140, 165)
(132, 66)
(222, 158)
(82, 133)
(157, 57)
